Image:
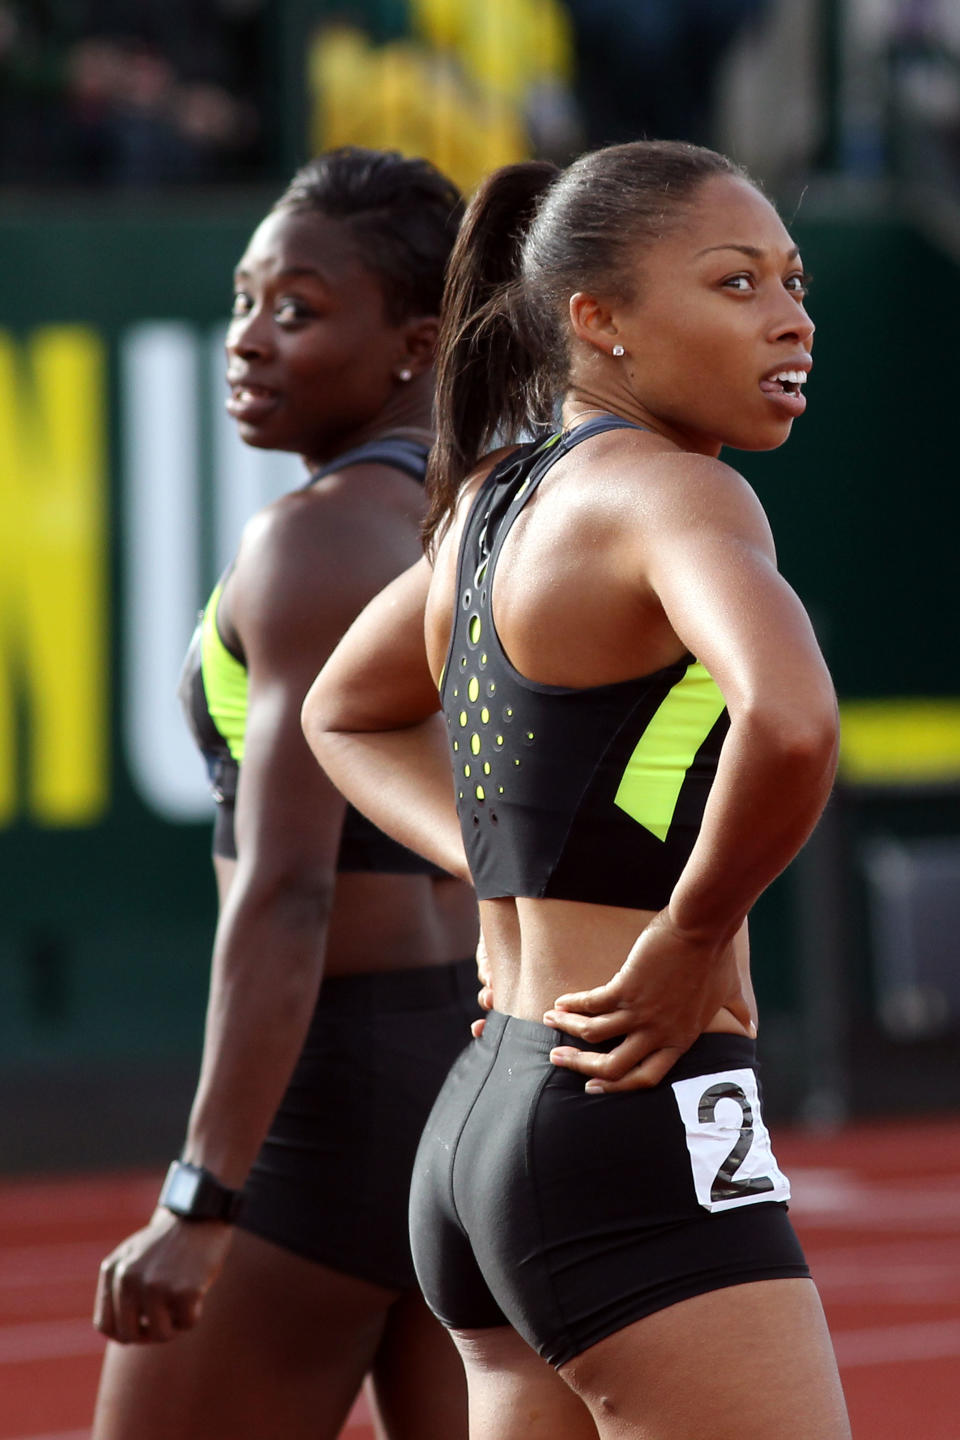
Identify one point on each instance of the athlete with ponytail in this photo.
(597, 697)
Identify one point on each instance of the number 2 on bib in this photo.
(729, 1145)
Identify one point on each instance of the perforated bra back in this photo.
(593, 794)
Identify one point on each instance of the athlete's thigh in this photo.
(514, 1394)
(748, 1362)
(417, 1385)
(281, 1349)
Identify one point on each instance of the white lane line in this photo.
(48, 1340)
(26, 1265)
(60, 1435)
(922, 1271)
(886, 1344)
(842, 1199)
(69, 1204)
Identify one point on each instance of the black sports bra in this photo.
(213, 693)
(592, 794)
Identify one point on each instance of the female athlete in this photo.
(277, 1262)
(643, 733)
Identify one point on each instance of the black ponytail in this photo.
(491, 350)
(532, 236)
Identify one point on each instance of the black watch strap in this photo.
(196, 1194)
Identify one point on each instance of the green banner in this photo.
(123, 491)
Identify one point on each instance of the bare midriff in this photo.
(541, 949)
(390, 922)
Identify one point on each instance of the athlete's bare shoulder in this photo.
(318, 554)
(645, 486)
(702, 492)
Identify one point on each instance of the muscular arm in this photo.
(708, 557)
(713, 568)
(304, 570)
(268, 948)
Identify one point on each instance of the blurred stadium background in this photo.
(140, 140)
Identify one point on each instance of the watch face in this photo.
(180, 1191)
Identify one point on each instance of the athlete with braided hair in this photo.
(277, 1264)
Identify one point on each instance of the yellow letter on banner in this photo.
(53, 616)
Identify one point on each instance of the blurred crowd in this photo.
(155, 93)
(163, 92)
(925, 90)
(130, 92)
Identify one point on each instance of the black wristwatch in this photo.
(195, 1194)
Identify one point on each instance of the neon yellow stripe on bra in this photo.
(224, 681)
(655, 772)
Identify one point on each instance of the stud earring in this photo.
(405, 374)
(618, 351)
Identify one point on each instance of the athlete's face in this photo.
(718, 317)
(311, 355)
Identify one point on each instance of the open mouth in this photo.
(784, 382)
(244, 393)
(250, 403)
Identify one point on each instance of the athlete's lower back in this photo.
(541, 949)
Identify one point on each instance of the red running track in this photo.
(877, 1207)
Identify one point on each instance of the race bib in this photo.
(728, 1143)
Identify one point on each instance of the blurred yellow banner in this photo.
(900, 741)
(54, 622)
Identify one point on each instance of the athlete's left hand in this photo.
(670, 988)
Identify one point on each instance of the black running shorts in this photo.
(571, 1215)
(332, 1180)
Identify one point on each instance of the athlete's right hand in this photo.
(153, 1285)
(671, 987)
(485, 993)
